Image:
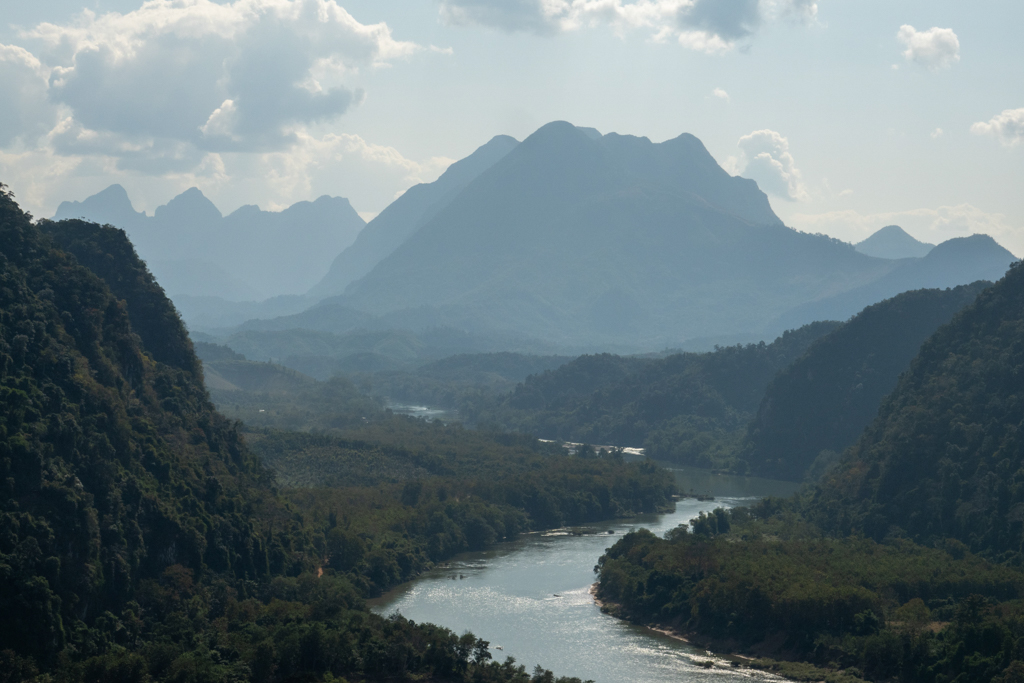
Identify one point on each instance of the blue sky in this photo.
(851, 114)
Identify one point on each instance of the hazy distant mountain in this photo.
(405, 215)
(213, 313)
(894, 243)
(577, 238)
(198, 277)
(955, 262)
(248, 255)
(112, 206)
(324, 354)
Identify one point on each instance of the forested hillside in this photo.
(689, 408)
(811, 607)
(141, 539)
(945, 457)
(904, 563)
(819, 405)
(116, 466)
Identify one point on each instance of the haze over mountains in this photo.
(892, 241)
(248, 255)
(570, 240)
(576, 238)
(405, 215)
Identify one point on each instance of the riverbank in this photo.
(531, 597)
(783, 670)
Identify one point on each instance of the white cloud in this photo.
(769, 162)
(927, 225)
(720, 94)
(220, 95)
(730, 20)
(936, 48)
(937, 133)
(711, 26)
(222, 121)
(238, 76)
(1007, 127)
(802, 10)
(371, 175)
(26, 112)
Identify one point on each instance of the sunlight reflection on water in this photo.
(531, 598)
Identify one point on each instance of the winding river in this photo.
(530, 598)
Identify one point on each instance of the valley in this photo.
(806, 451)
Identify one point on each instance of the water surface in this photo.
(423, 412)
(530, 598)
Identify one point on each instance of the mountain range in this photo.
(611, 241)
(568, 240)
(249, 255)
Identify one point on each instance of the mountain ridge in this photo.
(400, 219)
(893, 242)
(826, 398)
(972, 258)
(521, 246)
(247, 255)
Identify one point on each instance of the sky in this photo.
(850, 114)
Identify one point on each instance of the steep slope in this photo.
(250, 254)
(824, 400)
(893, 242)
(115, 464)
(247, 375)
(405, 215)
(945, 456)
(609, 240)
(955, 262)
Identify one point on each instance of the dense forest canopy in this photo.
(690, 408)
(767, 583)
(819, 405)
(945, 457)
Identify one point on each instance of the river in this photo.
(530, 598)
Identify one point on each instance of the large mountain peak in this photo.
(191, 205)
(575, 236)
(115, 195)
(893, 242)
(971, 247)
(556, 132)
(111, 205)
